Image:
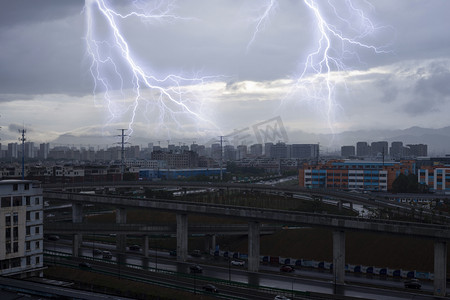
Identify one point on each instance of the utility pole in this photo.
(122, 153)
(23, 139)
(221, 157)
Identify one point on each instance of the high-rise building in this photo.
(396, 150)
(268, 149)
(379, 148)
(418, 150)
(304, 151)
(347, 151)
(21, 222)
(362, 149)
(256, 150)
(13, 150)
(241, 152)
(229, 153)
(44, 149)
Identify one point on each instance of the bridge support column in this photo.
(77, 217)
(76, 243)
(253, 246)
(440, 268)
(339, 205)
(145, 245)
(351, 205)
(182, 237)
(338, 256)
(121, 239)
(210, 243)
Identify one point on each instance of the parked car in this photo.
(135, 248)
(210, 288)
(96, 252)
(238, 263)
(196, 253)
(281, 297)
(107, 254)
(84, 265)
(287, 269)
(413, 284)
(173, 252)
(196, 269)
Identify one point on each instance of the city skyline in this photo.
(47, 88)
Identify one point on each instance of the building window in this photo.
(28, 260)
(15, 233)
(8, 247)
(7, 220)
(15, 247)
(36, 200)
(15, 187)
(15, 262)
(38, 260)
(28, 214)
(28, 230)
(28, 245)
(28, 200)
(36, 216)
(17, 200)
(27, 186)
(37, 246)
(4, 264)
(6, 201)
(15, 218)
(8, 233)
(36, 230)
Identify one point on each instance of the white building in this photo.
(21, 228)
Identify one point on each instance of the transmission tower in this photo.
(122, 152)
(23, 139)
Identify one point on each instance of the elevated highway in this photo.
(440, 234)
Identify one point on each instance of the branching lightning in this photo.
(319, 75)
(118, 74)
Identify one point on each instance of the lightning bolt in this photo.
(118, 74)
(321, 71)
(261, 20)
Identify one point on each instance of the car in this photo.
(135, 248)
(50, 216)
(107, 254)
(281, 297)
(173, 252)
(96, 251)
(196, 269)
(84, 265)
(238, 263)
(210, 288)
(287, 269)
(196, 253)
(53, 238)
(413, 284)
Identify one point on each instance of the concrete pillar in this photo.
(77, 217)
(440, 268)
(145, 245)
(253, 246)
(339, 204)
(182, 237)
(121, 239)
(338, 256)
(210, 243)
(351, 205)
(76, 243)
(77, 213)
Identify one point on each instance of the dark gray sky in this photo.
(46, 84)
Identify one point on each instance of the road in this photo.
(269, 277)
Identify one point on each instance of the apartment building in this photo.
(21, 228)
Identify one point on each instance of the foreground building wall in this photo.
(21, 228)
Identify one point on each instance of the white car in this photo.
(278, 297)
(238, 263)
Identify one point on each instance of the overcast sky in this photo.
(251, 71)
